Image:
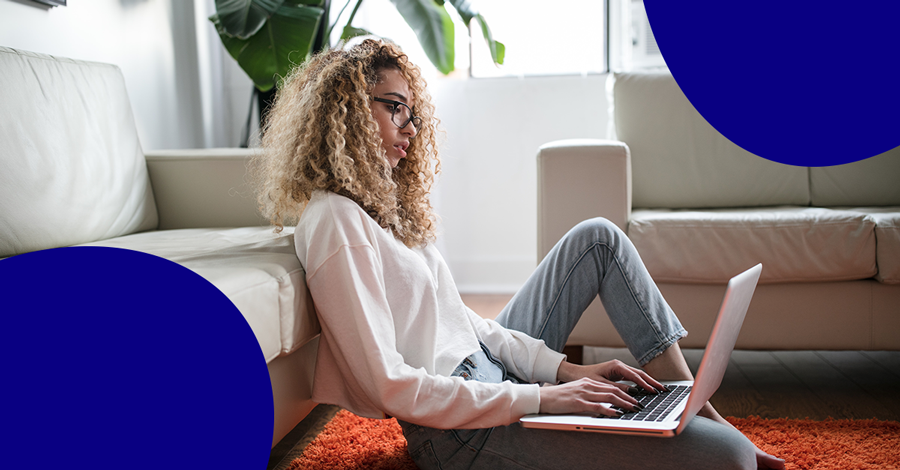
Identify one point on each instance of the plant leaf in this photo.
(498, 50)
(467, 11)
(284, 41)
(232, 44)
(243, 18)
(352, 32)
(434, 29)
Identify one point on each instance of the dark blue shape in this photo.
(803, 83)
(119, 359)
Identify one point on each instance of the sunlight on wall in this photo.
(544, 38)
(487, 193)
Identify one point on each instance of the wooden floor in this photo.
(799, 384)
(771, 384)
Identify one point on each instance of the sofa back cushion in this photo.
(680, 161)
(874, 181)
(73, 169)
(794, 244)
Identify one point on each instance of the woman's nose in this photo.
(410, 129)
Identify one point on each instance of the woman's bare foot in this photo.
(670, 365)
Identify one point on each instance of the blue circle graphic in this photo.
(119, 359)
(801, 83)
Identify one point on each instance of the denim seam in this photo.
(560, 289)
(681, 333)
(466, 444)
(430, 449)
(491, 358)
(652, 353)
(659, 339)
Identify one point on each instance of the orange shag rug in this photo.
(350, 442)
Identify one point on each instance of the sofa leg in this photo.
(575, 354)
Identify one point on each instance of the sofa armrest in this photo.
(578, 180)
(200, 188)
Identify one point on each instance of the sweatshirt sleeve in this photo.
(525, 357)
(357, 328)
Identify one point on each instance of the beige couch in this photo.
(74, 173)
(699, 209)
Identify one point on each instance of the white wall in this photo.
(186, 94)
(487, 194)
(154, 42)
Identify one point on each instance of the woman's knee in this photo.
(739, 452)
(596, 230)
(719, 446)
(597, 225)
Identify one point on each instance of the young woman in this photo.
(350, 151)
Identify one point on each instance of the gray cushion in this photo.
(887, 236)
(680, 161)
(794, 244)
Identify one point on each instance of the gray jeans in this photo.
(593, 258)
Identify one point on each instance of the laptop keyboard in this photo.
(656, 406)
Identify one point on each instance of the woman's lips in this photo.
(401, 149)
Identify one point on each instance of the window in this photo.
(542, 38)
(561, 37)
(632, 45)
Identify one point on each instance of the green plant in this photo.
(268, 37)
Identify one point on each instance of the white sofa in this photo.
(700, 209)
(73, 173)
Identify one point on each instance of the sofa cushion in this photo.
(874, 181)
(887, 237)
(679, 160)
(794, 244)
(73, 169)
(257, 269)
(203, 188)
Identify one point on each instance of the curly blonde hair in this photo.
(321, 134)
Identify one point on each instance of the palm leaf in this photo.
(283, 41)
(468, 12)
(433, 27)
(244, 18)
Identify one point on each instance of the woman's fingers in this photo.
(595, 394)
(643, 380)
(617, 370)
(621, 386)
(586, 396)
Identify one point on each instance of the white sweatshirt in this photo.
(394, 328)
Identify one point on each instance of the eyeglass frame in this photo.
(395, 103)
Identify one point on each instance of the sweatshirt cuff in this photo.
(546, 365)
(527, 402)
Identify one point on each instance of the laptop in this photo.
(667, 414)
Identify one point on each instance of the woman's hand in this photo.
(585, 396)
(587, 389)
(609, 373)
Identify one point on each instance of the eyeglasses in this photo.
(401, 115)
